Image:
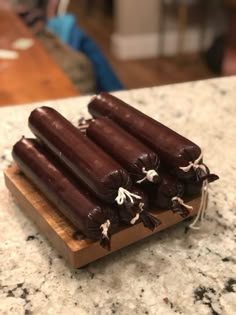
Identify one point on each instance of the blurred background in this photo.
(123, 44)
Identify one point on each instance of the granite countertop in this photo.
(176, 271)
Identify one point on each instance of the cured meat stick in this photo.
(141, 162)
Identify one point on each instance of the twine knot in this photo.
(182, 203)
(150, 175)
(137, 216)
(105, 227)
(123, 194)
(195, 165)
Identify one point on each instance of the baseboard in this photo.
(137, 46)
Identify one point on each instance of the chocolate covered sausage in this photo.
(140, 161)
(92, 219)
(180, 155)
(102, 175)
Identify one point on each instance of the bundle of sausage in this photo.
(102, 175)
(181, 169)
(141, 162)
(179, 155)
(113, 168)
(92, 218)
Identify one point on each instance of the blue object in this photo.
(70, 33)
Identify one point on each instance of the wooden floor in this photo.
(140, 73)
(32, 77)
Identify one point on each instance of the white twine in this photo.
(202, 207)
(123, 194)
(182, 203)
(149, 175)
(195, 165)
(137, 216)
(135, 219)
(105, 227)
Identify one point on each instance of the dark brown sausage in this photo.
(140, 161)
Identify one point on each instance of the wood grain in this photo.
(34, 76)
(59, 230)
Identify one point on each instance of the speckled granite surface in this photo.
(173, 272)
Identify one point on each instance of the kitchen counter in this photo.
(178, 271)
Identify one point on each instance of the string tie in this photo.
(150, 175)
(105, 227)
(123, 194)
(202, 208)
(137, 216)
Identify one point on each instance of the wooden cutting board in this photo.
(59, 230)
